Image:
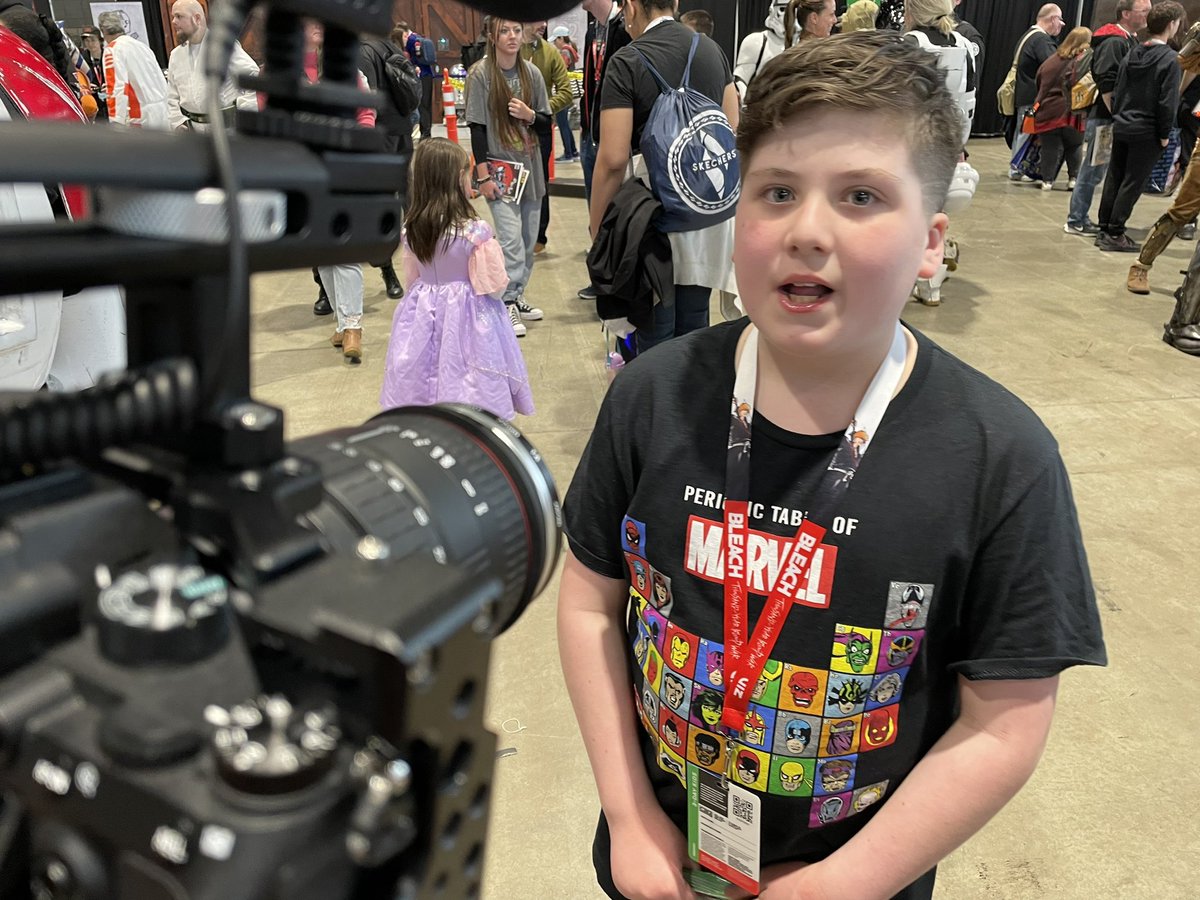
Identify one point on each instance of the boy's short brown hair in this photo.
(877, 74)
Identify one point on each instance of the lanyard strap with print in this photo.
(744, 659)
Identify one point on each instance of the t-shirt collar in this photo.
(659, 21)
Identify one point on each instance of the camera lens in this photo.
(451, 481)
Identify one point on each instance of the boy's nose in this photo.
(808, 226)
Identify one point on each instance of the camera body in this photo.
(230, 667)
(298, 714)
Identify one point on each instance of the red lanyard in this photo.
(744, 659)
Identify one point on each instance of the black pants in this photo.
(921, 889)
(1131, 164)
(426, 107)
(1056, 144)
(546, 144)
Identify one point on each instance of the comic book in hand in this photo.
(510, 177)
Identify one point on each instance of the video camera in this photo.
(232, 667)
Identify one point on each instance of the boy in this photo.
(921, 636)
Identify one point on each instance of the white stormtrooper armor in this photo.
(760, 47)
(958, 64)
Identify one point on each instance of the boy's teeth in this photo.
(806, 289)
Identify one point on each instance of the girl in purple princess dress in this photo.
(452, 342)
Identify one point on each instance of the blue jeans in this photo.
(689, 312)
(1089, 176)
(564, 129)
(587, 156)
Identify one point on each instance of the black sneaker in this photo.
(587, 293)
(1087, 228)
(1188, 232)
(1120, 243)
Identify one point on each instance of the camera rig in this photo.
(231, 667)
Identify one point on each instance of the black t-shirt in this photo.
(1036, 51)
(956, 551)
(628, 84)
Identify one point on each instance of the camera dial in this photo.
(267, 746)
(168, 614)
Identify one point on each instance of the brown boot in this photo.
(352, 343)
(1138, 281)
(336, 340)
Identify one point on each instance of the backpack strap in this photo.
(663, 87)
(687, 70)
(662, 82)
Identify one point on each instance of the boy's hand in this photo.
(647, 857)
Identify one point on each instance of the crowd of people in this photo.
(1113, 106)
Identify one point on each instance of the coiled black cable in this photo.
(123, 407)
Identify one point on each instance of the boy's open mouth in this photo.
(805, 291)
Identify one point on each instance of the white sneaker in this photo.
(514, 316)
(1047, 185)
(529, 313)
(1070, 184)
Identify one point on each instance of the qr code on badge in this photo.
(743, 809)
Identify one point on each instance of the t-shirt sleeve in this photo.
(603, 486)
(476, 98)
(618, 89)
(1031, 609)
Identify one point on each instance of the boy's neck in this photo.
(818, 395)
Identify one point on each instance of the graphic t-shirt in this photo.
(479, 112)
(955, 552)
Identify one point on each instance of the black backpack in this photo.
(403, 82)
(396, 76)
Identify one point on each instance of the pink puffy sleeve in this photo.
(486, 267)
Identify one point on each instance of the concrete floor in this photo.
(1047, 315)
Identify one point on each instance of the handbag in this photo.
(1084, 93)
(1029, 122)
(1006, 96)
(1028, 160)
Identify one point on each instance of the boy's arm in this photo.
(648, 850)
(976, 767)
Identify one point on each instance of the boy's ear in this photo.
(935, 244)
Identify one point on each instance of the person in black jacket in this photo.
(1146, 100)
(1035, 47)
(394, 124)
(1110, 45)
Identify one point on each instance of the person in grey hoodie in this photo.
(1144, 105)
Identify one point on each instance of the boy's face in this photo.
(831, 233)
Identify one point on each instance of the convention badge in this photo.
(724, 825)
(706, 884)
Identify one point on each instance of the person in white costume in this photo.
(187, 88)
(760, 47)
(137, 90)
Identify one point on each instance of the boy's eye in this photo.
(778, 194)
(861, 197)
